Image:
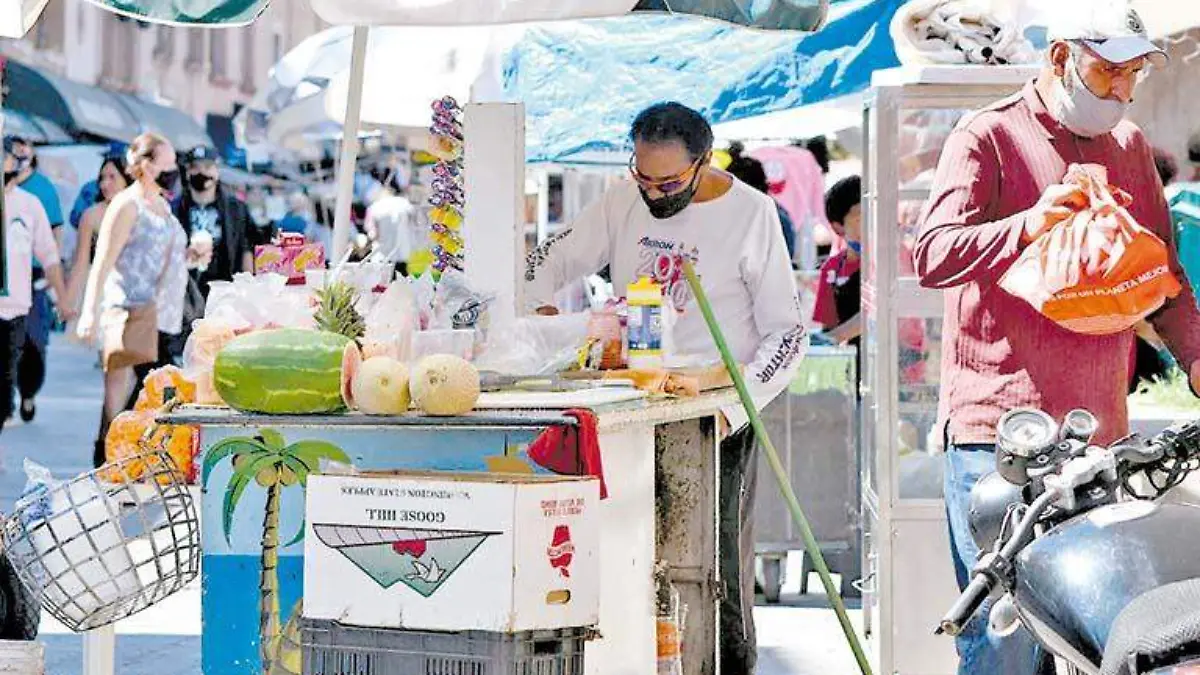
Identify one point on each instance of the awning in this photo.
(177, 126)
(78, 108)
(583, 82)
(799, 15)
(35, 129)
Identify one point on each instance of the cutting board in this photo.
(708, 377)
(534, 400)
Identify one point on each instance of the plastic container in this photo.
(460, 343)
(333, 649)
(644, 335)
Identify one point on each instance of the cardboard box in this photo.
(439, 551)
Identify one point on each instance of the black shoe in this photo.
(28, 410)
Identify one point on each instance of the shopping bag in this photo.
(1098, 272)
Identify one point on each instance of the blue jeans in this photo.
(981, 652)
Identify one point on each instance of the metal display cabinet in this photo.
(909, 578)
(814, 426)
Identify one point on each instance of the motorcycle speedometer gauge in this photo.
(1024, 432)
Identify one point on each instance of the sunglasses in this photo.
(664, 185)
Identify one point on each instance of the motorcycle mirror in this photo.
(1004, 619)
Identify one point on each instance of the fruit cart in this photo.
(659, 465)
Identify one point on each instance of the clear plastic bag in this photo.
(534, 345)
(392, 321)
(457, 306)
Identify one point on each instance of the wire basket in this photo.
(100, 547)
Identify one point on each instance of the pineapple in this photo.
(336, 312)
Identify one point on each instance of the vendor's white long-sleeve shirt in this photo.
(737, 247)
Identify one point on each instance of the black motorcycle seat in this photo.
(1157, 624)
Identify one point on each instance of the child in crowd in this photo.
(839, 298)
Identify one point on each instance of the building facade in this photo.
(203, 72)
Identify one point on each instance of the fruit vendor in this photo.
(997, 189)
(679, 205)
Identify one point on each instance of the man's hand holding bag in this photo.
(1091, 267)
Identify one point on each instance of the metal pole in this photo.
(347, 162)
(760, 431)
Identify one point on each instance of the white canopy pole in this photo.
(347, 164)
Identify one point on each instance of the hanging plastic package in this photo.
(1098, 272)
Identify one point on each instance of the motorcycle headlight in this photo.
(1020, 435)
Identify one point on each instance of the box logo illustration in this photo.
(561, 551)
(422, 559)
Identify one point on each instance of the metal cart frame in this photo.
(909, 577)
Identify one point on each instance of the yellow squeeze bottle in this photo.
(645, 325)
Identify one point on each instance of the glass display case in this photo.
(909, 580)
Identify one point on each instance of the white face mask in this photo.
(1081, 111)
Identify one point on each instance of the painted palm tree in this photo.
(267, 460)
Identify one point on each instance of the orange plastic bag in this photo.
(1098, 272)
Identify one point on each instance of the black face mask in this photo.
(200, 182)
(669, 205)
(166, 179)
(10, 176)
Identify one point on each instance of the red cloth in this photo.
(571, 450)
(998, 352)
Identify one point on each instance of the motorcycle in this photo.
(1108, 584)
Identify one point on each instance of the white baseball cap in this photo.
(1110, 28)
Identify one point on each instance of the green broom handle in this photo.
(760, 431)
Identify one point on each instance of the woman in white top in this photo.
(139, 263)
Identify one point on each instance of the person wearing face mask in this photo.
(27, 237)
(677, 205)
(135, 289)
(998, 187)
(226, 246)
(839, 294)
(31, 374)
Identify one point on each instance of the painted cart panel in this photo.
(253, 515)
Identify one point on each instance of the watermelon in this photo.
(286, 371)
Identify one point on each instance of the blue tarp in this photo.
(583, 83)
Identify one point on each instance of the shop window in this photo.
(164, 44)
(249, 62)
(195, 50)
(218, 56)
(50, 32)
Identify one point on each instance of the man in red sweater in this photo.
(998, 187)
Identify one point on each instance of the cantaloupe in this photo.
(444, 385)
(380, 387)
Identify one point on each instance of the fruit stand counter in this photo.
(660, 467)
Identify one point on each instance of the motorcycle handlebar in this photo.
(982, 584)
(1181, 442)
(965, 607)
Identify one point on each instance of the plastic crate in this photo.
(333, 649)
